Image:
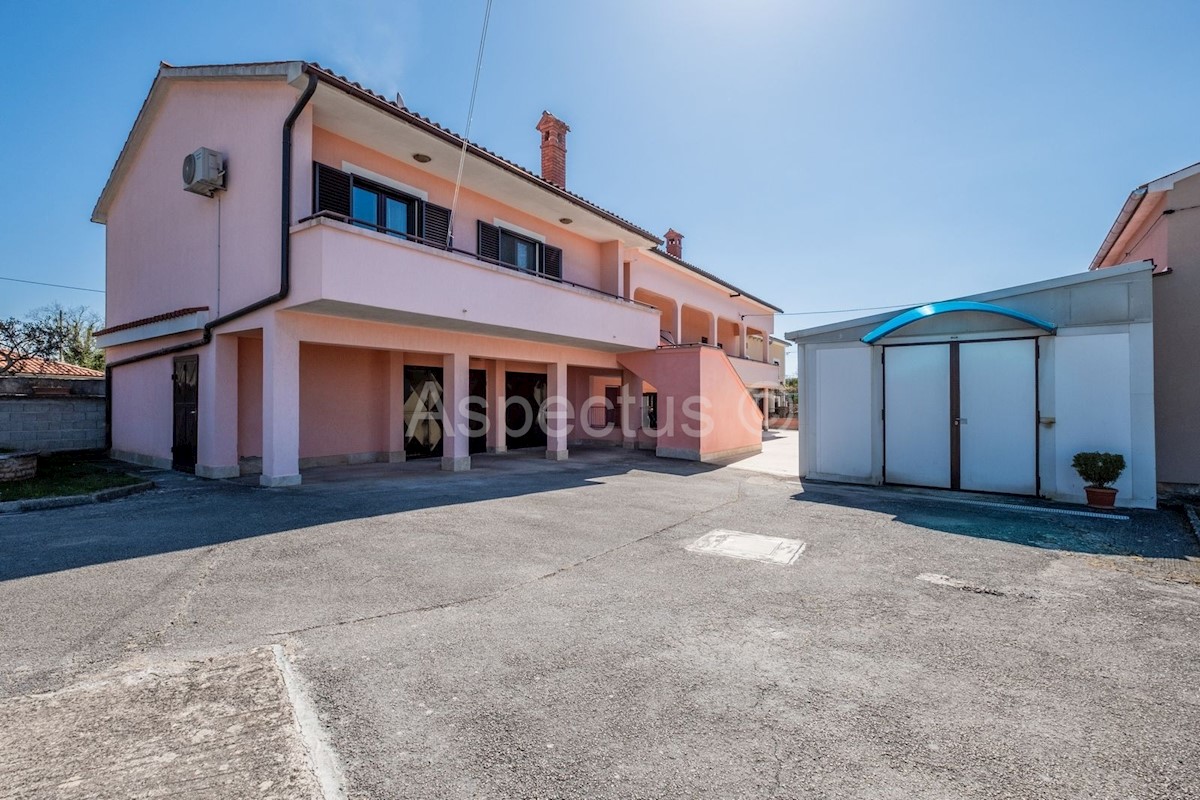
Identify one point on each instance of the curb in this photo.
(1193, 519)
(102, 496)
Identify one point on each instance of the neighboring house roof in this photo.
(57, 369)
(1134, 203)
(291, 71)
(137, 323)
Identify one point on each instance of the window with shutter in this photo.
(552, 262)
(489, 241)
(436, 230)
(331, 190)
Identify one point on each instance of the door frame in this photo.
(176, 463)
(956, 407)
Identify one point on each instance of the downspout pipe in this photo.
(285, 266)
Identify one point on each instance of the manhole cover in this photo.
(751, 546)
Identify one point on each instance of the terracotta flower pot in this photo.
(1100, 497)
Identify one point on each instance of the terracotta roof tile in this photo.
(124, 326)
(41, 366)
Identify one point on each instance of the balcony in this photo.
(757, 374)
(342, 270)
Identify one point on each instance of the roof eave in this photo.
(433, 129)
(277, 70)
(715, 279)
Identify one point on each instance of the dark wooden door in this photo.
(525, 414)
(185, 393)
(477, 422)
(423, 433)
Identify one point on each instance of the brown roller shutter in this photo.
(552, 262)
(331, 190)
(436, 230)
(489, 241)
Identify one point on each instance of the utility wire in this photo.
(55, 285)
(833, 311)
(462, 156)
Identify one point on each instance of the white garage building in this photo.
(990, 393)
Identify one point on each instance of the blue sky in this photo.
(820, 153)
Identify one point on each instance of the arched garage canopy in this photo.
(947, 307)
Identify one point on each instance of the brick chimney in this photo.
(554, 148)
(674, 242)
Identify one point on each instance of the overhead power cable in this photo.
(462, 156)
(54, 285)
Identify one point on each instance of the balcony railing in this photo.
(443, 246)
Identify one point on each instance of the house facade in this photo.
(330, 291)
(1160, 223)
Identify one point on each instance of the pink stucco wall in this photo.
(581, 256)
(343, 401)
(162, 242)
(249, 392)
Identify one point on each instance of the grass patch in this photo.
(60, 476)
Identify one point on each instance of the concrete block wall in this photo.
(50, 424)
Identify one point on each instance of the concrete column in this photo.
(456, 387)
(631, 409)
(677, 324)
(396, 407)
(741, 340)
(712, 330)
(766, 405)
(217, 446)
(281, 404)
(497, 440)
(556, 411)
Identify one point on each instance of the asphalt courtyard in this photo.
(535, 629)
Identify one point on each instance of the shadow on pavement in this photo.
(1033, 523)
(186, 512)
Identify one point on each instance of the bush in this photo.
(1099, 469)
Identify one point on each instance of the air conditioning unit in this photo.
(204, 172)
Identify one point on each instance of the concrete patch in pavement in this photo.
(750, 546)
(219, 728)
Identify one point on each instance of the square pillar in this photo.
(456, 389)
(712, 330)
(677, 324)
(766, 409)
(396, 407)
(217, 446)
(631, 409)
(557, 404)
(281, 404)
(497, 438)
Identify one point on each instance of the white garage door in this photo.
(998, 416)
(962, 416)
(916, 398)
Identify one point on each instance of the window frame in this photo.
(382, 194)
(538, 251)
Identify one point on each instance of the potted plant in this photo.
(1099, 471)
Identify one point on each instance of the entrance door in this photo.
(525, 413)
(997, 419)
(477, 422)
(422, 412)
(185, 394)
(916, 402)
(962, 415)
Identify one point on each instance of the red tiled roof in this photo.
(124, 326)
(41, 366)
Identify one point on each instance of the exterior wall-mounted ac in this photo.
(204, 172)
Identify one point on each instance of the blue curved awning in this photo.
(949, 306)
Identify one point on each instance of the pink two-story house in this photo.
(320, 287)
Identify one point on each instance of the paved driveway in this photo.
(538, 630)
